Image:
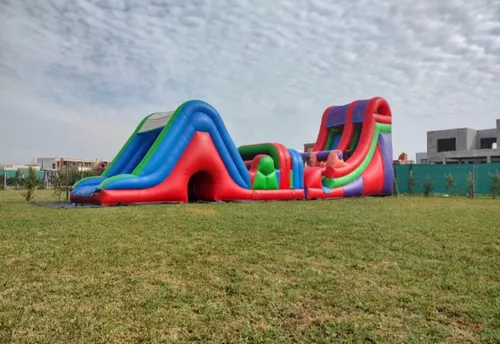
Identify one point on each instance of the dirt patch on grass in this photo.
(464, 331)
(386, 265)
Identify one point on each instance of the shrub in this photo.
(2, 181)
(59, 182)
(31, 184)
(495, 184)
(428, 186)
(469, 182)
(450, 182)
(412, 182)
(18, 179)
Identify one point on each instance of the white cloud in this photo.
(76, 77)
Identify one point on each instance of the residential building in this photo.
(421, 158)
(463, 146)
(58, 163)
(101, 166)
(308, 147)
(402, 160)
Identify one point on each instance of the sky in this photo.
(76, 77)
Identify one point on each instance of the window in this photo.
(487, 143)
(446, 145)
(53, 166)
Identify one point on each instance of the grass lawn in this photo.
(408, 270)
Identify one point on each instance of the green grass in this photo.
(407, 270)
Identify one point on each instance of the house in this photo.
(74, 164)
(462, 146)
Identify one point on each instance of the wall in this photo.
(469, 137)
(481, 134)
(434, 136)
(498, 131)
(487, 133)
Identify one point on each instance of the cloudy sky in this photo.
(77, 76)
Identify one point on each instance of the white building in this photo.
(58, 163)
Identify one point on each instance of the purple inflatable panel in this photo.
(358, 113)
(355, 188)
(385, 142)
(337, 116)
(322, 155)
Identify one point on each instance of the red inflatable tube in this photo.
(320, 193)
(323, 131)
(285, 163)
(248, 163)
(312, 177)
(348, 132)
(255, 166)
(372, 181)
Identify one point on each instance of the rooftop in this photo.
(69, 159)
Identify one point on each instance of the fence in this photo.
(16, 178)
(480, 173)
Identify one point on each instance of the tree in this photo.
(428, 186)
(18, 178)
(495, 184)
(450, 182)
(59, 183)
(3, 180)
(31, 183)
(412, 182)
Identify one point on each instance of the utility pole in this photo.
(473, 180)
(67, 181)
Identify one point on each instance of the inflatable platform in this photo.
(188, 155)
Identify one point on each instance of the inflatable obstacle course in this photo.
(188, 154)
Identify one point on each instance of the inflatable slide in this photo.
(188, 155)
